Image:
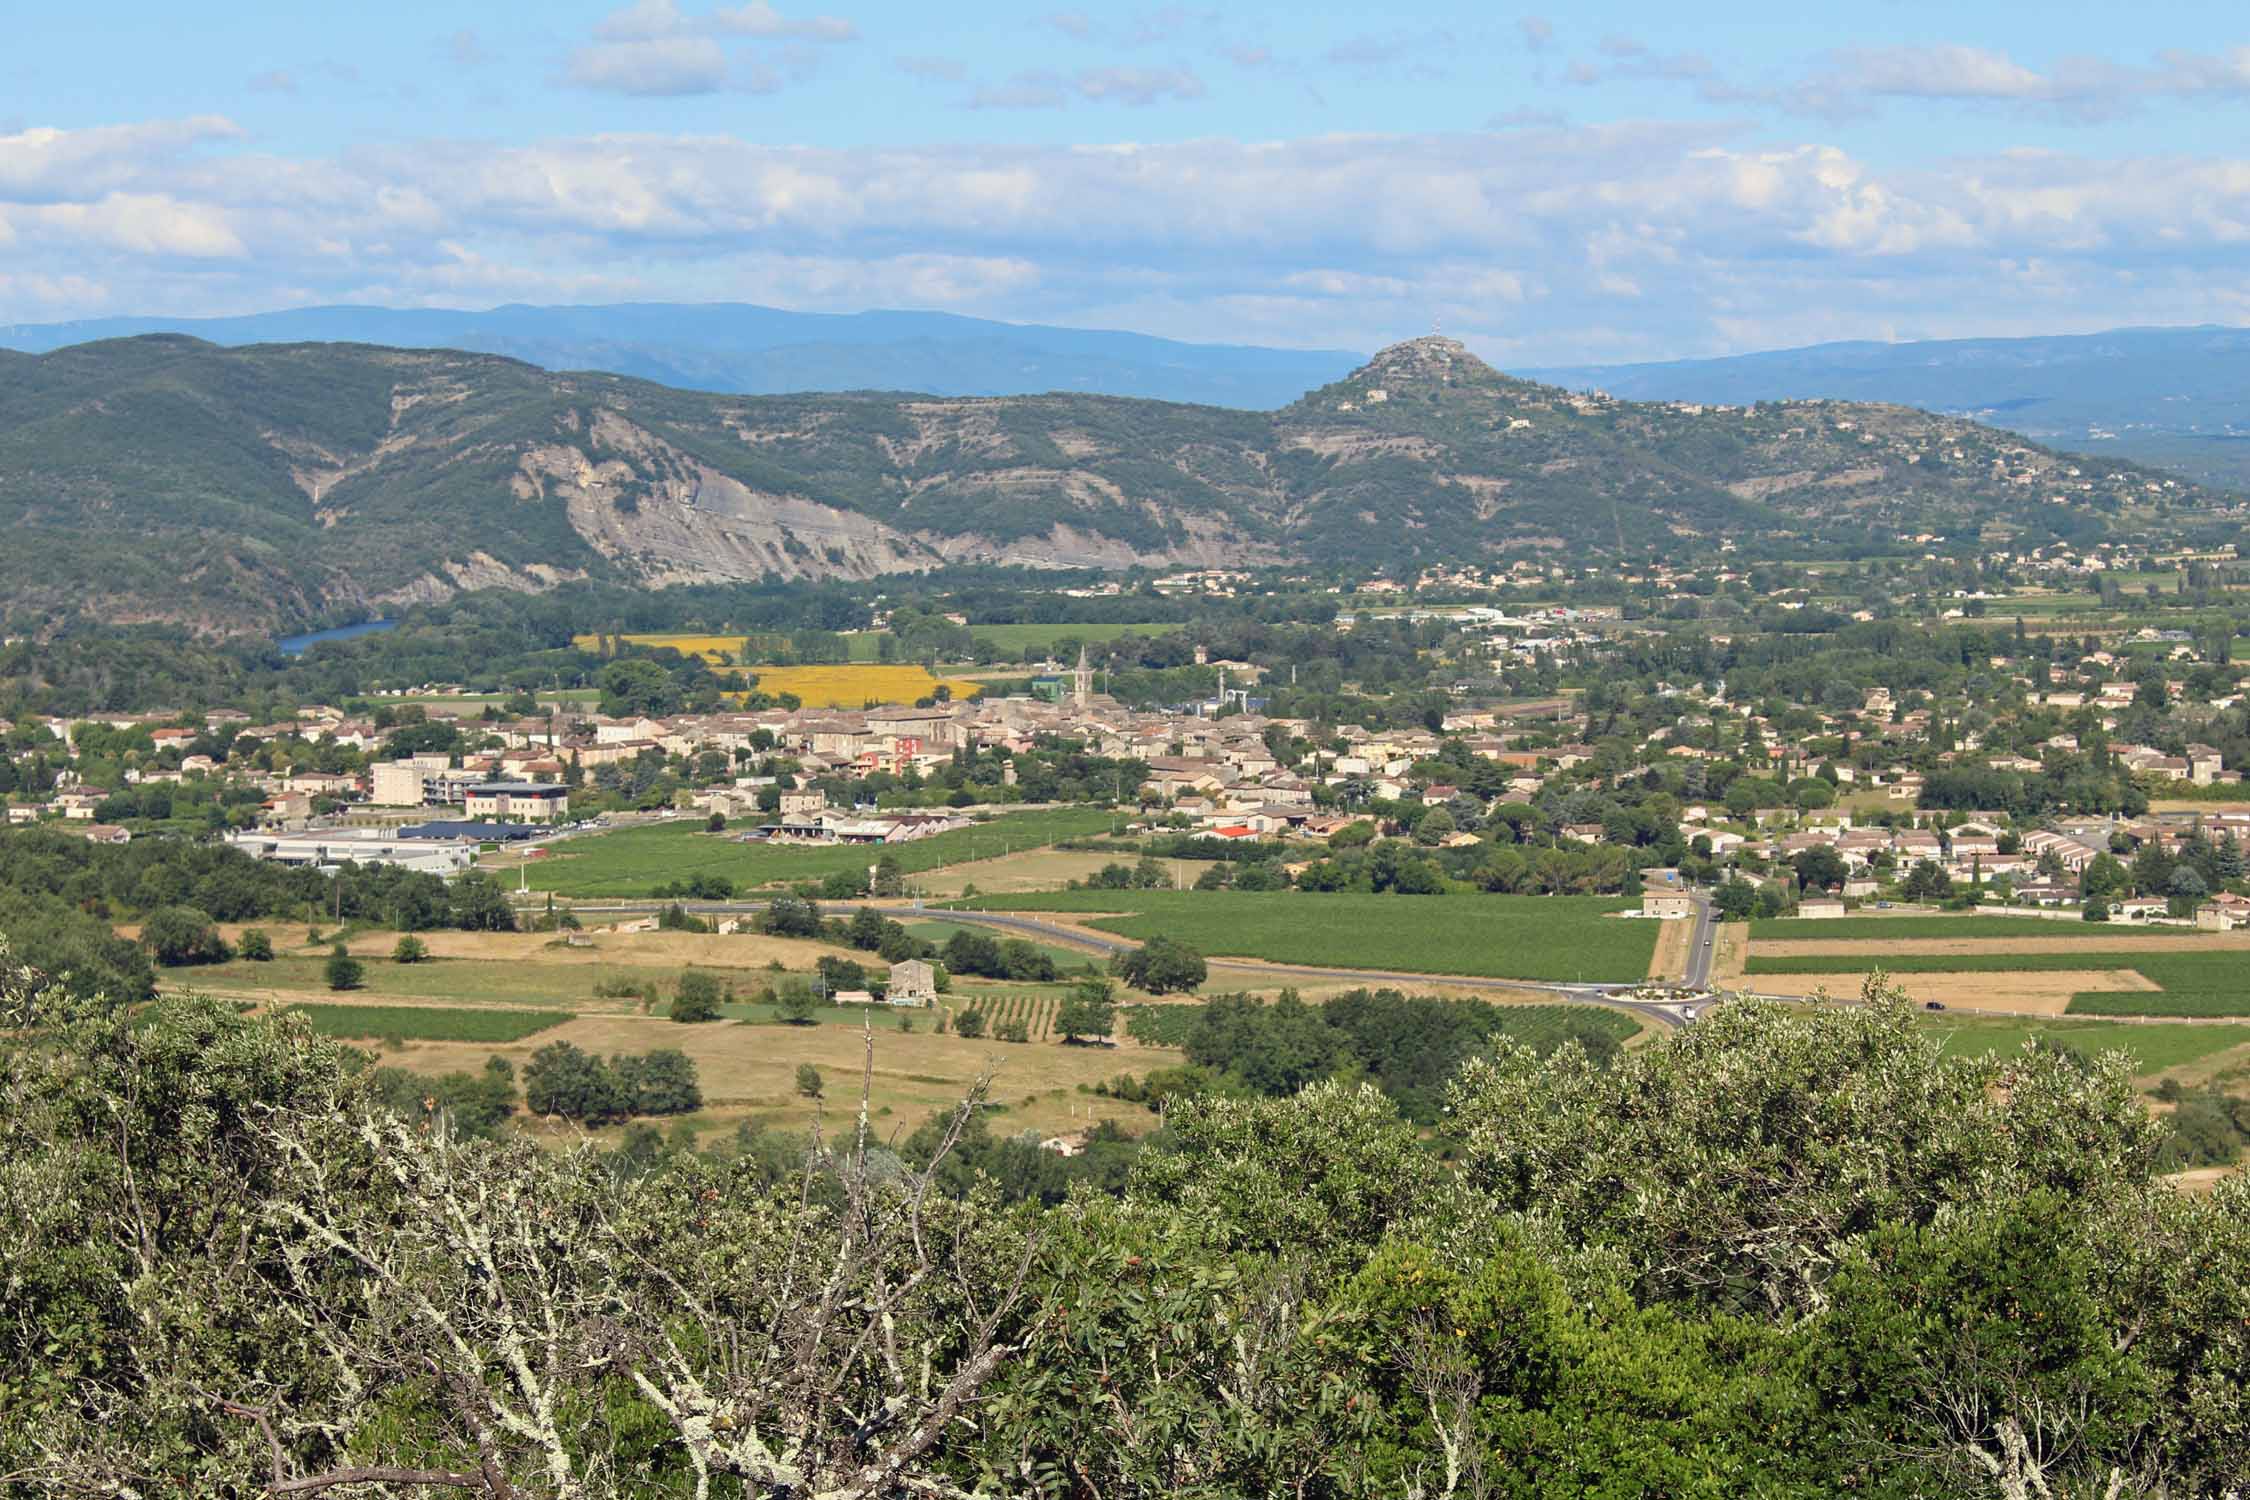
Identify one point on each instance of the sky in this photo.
(1556, 185)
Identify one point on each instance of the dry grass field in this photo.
(749, 1072)
(2018, 993)
(1670, 960)
(1032, 870)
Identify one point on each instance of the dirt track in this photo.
(1670, 960)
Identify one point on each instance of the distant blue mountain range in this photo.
(2179, 397)
(766, 351)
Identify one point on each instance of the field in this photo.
(1044, 637)
(634, 861)
(748, 1073)
(1033, 870)
(2154, 1049)
(858, 685)
(429, 1022)
(1035, 1011)
(2194, 975)
(512, 993)
(1550, 938)
(1847, 929)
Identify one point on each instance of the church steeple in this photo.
(1082, 680)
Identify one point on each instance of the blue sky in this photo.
(1602, 181)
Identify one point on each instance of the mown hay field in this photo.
(1549, 938)
(2087, 981)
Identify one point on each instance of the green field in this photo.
(1847, 929)
(1552, 938)
(467, 981)
(635, 861)
(2204, 965)
(2194, 984)
(1043, 637)
(427, 1023)
(2152, 1048)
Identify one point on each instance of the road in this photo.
(1656, 1013)
(1702, 943)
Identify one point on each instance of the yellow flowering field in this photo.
(706, 646)
(853, 686)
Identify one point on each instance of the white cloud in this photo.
(42, 161)
(653, 48)
(651, 67)
(1538, 32)
(1138, 86)
(935, 69)
(759, 19)
(1528, 238)
(144, 224)
(652, 20)
(2078, 89)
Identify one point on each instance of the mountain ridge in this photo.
(2175, 396)
(242, 490)
(747, 349)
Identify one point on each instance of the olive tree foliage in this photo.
(1796, 1255)
(1731, 1166)
(229, 1270)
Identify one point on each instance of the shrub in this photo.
(179, 935)
(970, 1023)
(1089, 1013)
(796, 1002)
(1162, 966)
(697, 998)
(344, 972)
(255, 946)
(808, 1080)
(410, 950)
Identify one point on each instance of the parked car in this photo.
(1933, 1005)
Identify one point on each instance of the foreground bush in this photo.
(1781, 1254)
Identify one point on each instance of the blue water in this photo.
(295, 645)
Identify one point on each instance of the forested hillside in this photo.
(166, 479)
